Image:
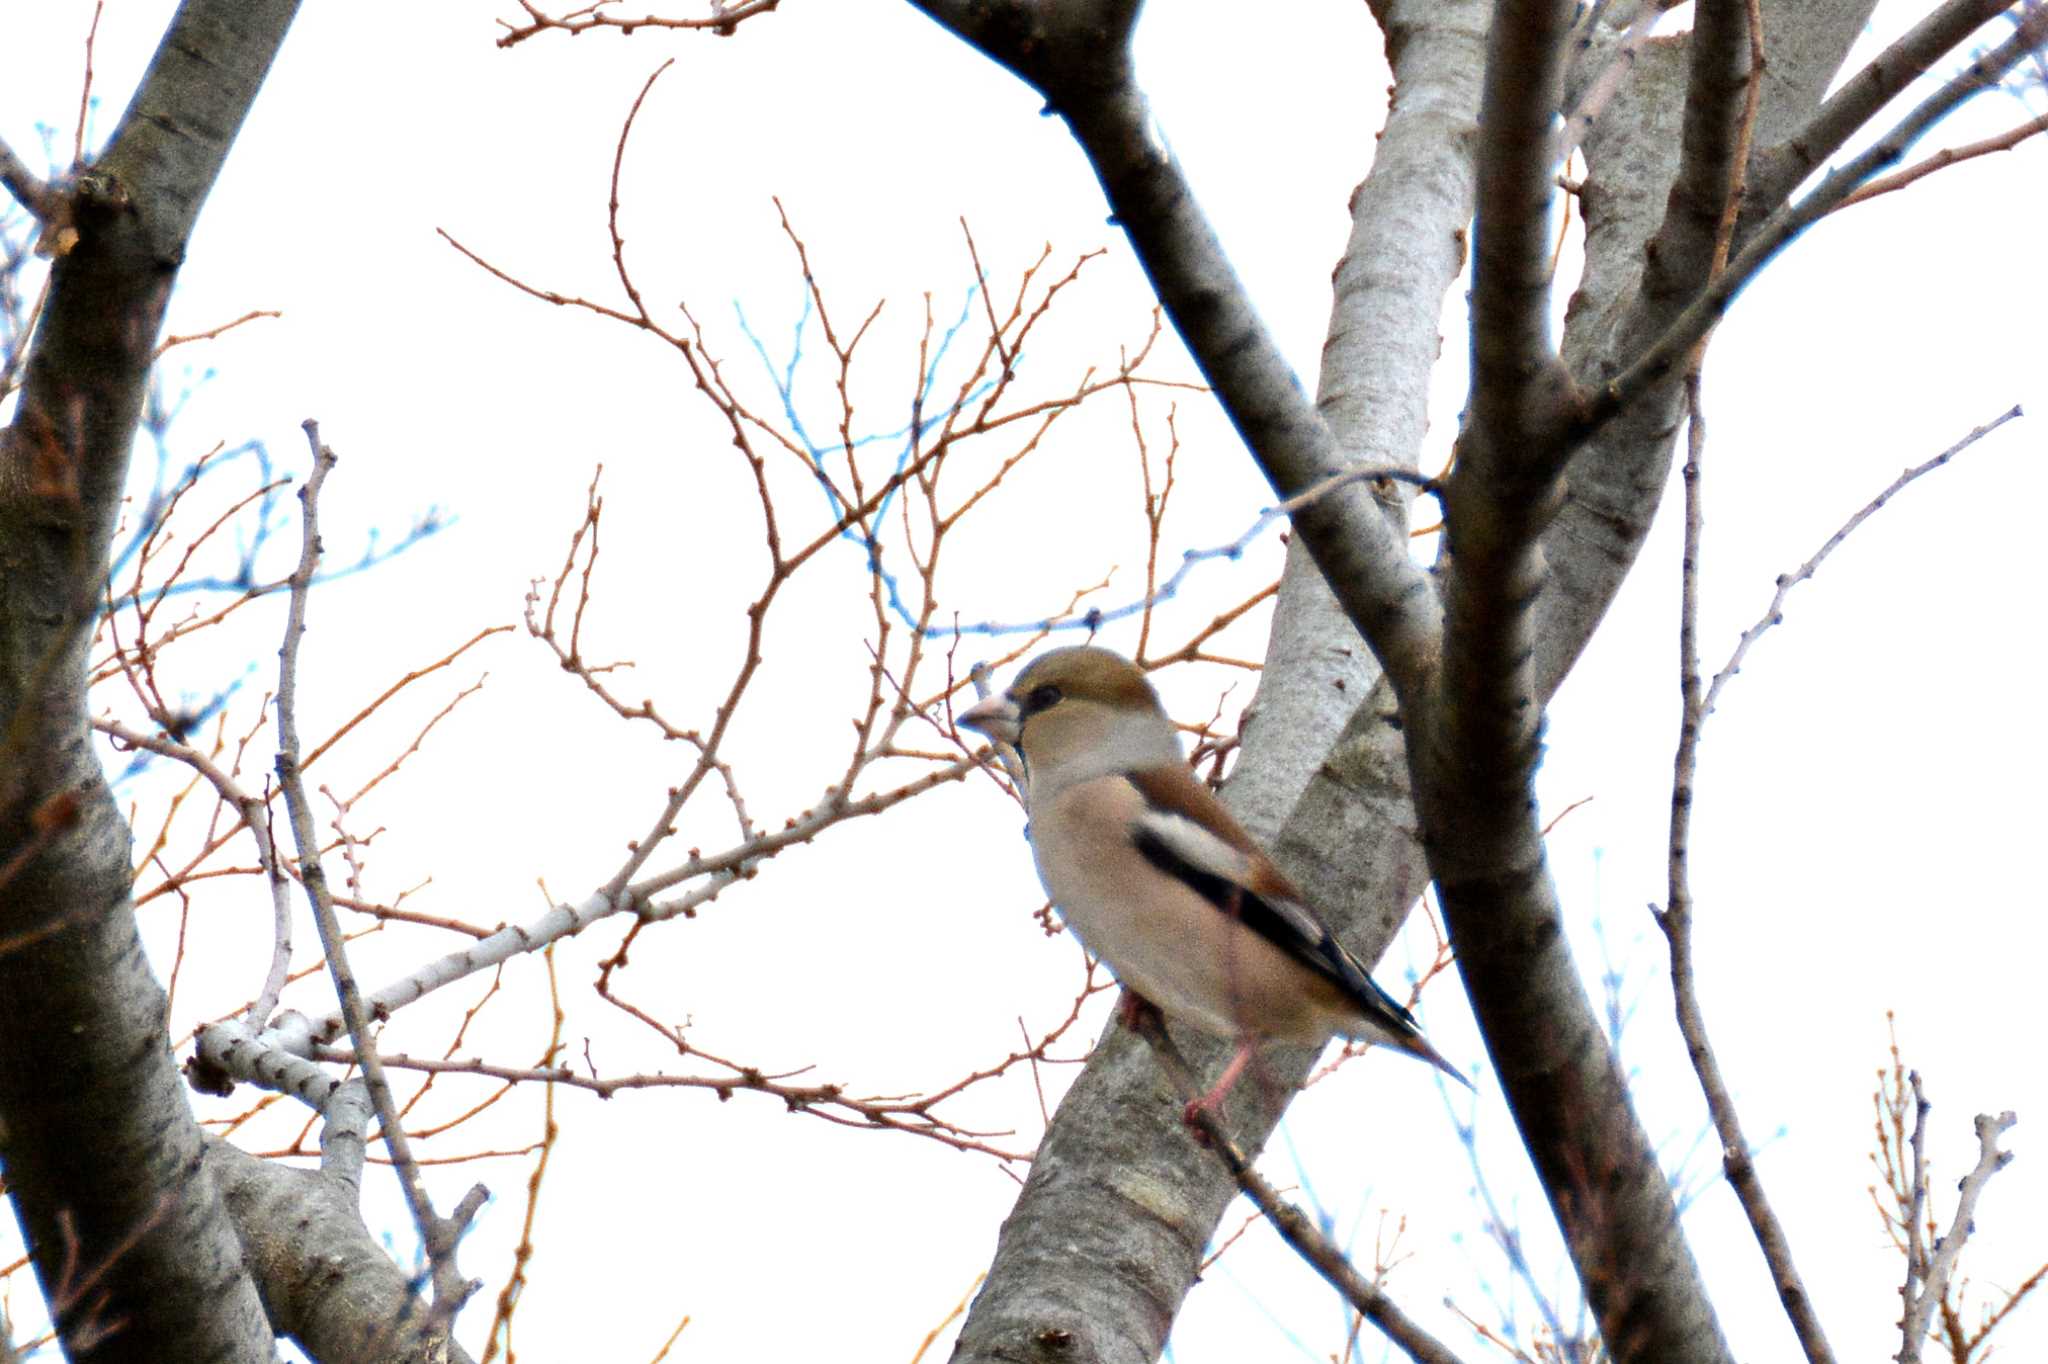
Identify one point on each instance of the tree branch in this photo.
(24, 184)
(439, 1235)
(1676, 921)
(1076, 54)
(108, 1166)
(327, 1282)
(1295, 1229)
(1937, 1267)
(1700, 316)
(1779, 170)
(1520, 393)
(1118, 1132)
(1948, 156)
(1775, 612)
(1616, 480)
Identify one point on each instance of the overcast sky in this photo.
(1869, 787)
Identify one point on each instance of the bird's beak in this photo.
(997, 717)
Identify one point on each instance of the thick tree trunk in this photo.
(1106, 1235)
(105, 1167)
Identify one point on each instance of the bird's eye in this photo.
(1041, 698)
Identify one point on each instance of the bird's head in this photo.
(1082, 705)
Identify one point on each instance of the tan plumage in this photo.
(1161, 882)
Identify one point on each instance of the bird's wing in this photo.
(1187, 833)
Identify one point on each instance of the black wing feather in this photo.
(1297, 934)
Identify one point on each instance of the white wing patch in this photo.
(1207, 853)
(1195, 845)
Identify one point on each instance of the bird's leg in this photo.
(1212, 1102)
(1132, 1007)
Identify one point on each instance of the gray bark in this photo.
(105, 1169)
(1106, 1233)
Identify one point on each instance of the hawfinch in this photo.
(1158, 879)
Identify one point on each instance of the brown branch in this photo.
(211, 332)
(515, 1279)
(1077, 57)
(724, 19)
(1947, 156)
(1676, 921)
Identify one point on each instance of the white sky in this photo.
(1869, 786)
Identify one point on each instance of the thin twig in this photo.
(724, 19)
(1297, 1230)
(1990, 1160)
(1676, 921)
(1948, 156)
(437, 1233)
(211, 332)
(1676, 918)
(1373, 473)
(255, 815)
(1788, 581)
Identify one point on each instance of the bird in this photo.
(1161, 882)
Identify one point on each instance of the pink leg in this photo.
(1132, 1007)
(1212, 1102)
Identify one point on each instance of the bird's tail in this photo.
(1416, 1045)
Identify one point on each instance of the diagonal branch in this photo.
(1699, 317)
(1676, 921)
(1948, 156)
(438, 1234)
(25, 185)
(1076, 54)
(1779, 170)
(1323, 1256)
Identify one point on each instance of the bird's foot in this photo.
(1132, 1009)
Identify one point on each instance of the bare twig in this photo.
(1377, 473)
(1932, 1271)
(255, 814)
(1948, 156)
(724, 19)
(1788, 581)
(211, 332)
(1676, 918)
(85, 86)
(1676, 921)
(439, 1234)
(1297, 1230)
